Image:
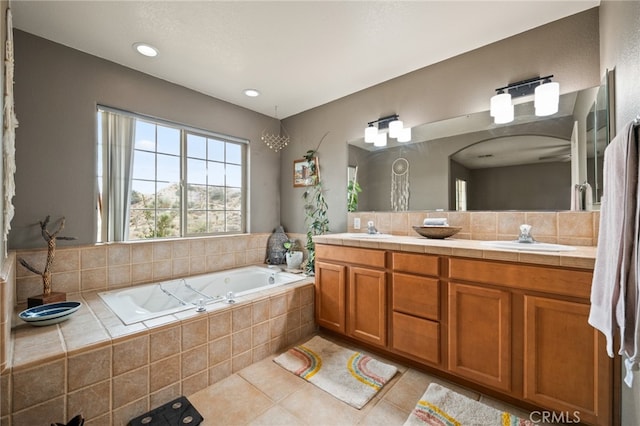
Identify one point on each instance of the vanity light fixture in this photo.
(547, 96)
(374, 132)
(145, 49)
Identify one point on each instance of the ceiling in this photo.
(298, 54)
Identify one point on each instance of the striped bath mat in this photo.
(349, 376)
(441, 406)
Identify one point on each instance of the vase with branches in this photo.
(315, 205)
(51, 238)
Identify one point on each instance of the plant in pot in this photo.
(293, 255)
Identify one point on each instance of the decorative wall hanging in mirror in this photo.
(400, 185)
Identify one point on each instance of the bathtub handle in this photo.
(168, 293)
(206, 296)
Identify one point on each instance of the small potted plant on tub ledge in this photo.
(294, 255)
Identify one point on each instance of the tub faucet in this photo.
(371, 229)
(525, 234)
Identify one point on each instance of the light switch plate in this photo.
(356, 223)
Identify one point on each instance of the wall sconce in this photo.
(373, 134)
(547, 96)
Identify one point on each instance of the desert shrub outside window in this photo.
(158, 179)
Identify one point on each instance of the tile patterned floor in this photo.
(266, 394)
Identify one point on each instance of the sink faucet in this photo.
(525, 234)
(371, 229)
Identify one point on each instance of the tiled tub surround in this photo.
(110, 372)
(576, 228)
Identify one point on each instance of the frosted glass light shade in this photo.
(500, 104)
(370, 134)
(404, 135)
(395, 127)
(546, 99)
(381, 139)
(504, 116)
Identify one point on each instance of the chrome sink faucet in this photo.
(371, 229)
(525, 234)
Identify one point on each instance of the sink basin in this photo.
(365, 235)
(514, 245)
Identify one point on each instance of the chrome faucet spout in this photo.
(525, 234)
(371, 229)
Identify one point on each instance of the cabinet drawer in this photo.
(417, 337)
(415, 295)
(422, 264)
(351, 255)
(561, 281)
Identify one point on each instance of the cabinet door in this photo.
(330, 296)
(565, 363)
(367, 305)
(480, 334)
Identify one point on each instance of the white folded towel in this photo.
(435, 221)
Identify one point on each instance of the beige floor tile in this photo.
(273, 380)
(385, 414)
(318, 408)
(277, 416)
(232, 401)
(407, 391)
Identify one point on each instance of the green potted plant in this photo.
(316, 214)
(293, 254)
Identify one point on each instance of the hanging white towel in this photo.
(614, 289)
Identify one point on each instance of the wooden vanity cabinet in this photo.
(351, 292)
(518, 329)
(531, 321)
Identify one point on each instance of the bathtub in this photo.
(148, 301)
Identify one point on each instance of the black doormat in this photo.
(178, 412)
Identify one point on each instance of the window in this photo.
(461, 194)
(158, 179)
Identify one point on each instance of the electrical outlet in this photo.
(356, 223)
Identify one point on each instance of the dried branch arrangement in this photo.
(50, 238)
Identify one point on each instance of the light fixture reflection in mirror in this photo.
(525, 183)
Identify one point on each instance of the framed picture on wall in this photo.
(305, 173)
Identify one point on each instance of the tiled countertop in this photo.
(581, 257)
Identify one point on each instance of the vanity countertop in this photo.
(582, 257)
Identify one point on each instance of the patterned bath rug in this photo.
(350, 376)
(441, 406)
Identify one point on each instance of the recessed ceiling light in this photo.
(145, 49)
(252, 93)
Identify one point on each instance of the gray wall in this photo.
(568, 49)
(524, 187)
(56, 91)
(620, 49)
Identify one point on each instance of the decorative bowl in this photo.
(51, 313)
(437, 232)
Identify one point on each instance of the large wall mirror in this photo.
(470, 163)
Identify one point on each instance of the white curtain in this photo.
(118, 132)
(9, 134)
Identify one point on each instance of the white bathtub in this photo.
(148, 301)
